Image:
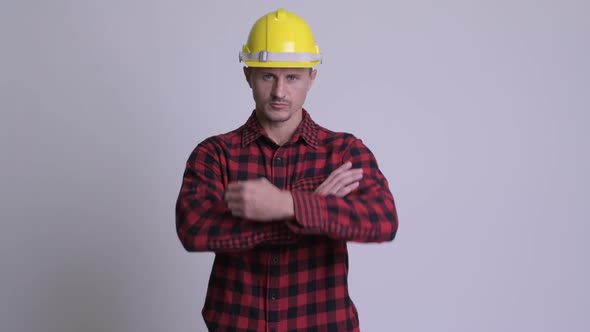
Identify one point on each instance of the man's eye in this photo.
(267, 77)
(291, 77)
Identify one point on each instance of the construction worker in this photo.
(277, 199)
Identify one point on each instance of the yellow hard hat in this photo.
(280, 39)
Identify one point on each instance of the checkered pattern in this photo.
(291, 275)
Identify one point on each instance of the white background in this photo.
(477, 112)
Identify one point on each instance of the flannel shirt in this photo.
(289, 275)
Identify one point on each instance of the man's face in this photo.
(279, 93)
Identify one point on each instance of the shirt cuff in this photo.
(308, 209)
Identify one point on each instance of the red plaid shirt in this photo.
(282, 276)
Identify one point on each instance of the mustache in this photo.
(280, 100)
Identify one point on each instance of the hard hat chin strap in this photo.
(265, 56)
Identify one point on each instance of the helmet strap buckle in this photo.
(263, 56)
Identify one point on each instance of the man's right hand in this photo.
(341, 181)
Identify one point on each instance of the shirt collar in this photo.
(307, 130)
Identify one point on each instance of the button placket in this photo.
(278, 178)
(279, 168)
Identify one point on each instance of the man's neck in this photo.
(281, 132)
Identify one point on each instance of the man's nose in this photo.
(278, 89)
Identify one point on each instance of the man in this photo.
(277, 199)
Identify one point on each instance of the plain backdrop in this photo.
(477, 112)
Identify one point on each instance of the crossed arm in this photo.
(348, 205)
(261, 201)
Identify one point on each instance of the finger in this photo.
(347, 189)
(262, 180)
(342, 180)
(320, 188)
(233, 197)
(228, 196)
(235, 185)
(328, 185)
(236, 209)
(237, 213)
(343, 168)
(347, 178)
(325, 188)
(233, 189)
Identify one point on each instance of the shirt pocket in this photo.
(308, 184)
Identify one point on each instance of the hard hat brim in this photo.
(280, 59)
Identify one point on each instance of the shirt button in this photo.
(275, 260)
(273, 296)
(279, 160)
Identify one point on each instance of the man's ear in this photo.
(312, 74)
(247, 72)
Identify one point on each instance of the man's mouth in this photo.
(277, 104)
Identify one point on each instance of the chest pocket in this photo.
(308, 184)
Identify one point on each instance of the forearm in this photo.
(368, 218)
(367, 214)
(211, 227)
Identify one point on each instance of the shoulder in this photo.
(336, 139)
(228, 139)
(346, 144)
(218, 144)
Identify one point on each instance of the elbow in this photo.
(187, 242)
(390, 227)
(391, 235)
(190, 244)
(393, 221)
(190, 237)
(385, 222)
